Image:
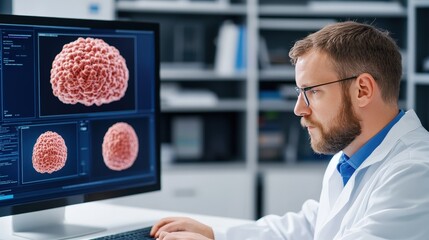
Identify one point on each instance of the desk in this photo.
(118, 217)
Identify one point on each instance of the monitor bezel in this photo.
(15, 209)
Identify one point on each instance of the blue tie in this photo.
(345, 169)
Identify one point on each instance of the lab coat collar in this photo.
(406, 124)
(339, 196)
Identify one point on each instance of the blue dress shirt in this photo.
(347, 165)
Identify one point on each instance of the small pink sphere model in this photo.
(89, 71)
(120, 146)
(49, 153)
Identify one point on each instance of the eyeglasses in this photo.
(305, 89)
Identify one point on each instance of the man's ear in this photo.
(365, 89)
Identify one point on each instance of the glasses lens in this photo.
(306, 99)
(298, 91)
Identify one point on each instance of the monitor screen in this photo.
(79, 103)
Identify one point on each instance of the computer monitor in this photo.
(79, 103)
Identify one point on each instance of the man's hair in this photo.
(356, 48)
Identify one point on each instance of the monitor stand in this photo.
(48, 224)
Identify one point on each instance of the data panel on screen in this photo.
(79, 108)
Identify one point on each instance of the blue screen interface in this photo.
(78, 108)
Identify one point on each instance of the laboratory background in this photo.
(231, 145)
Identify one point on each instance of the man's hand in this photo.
(182, 227)
(181, 236)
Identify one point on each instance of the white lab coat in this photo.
(386, 198)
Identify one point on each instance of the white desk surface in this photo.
(118, 217)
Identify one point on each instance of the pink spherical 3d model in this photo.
(89, 71)
(120, 146)
(49, 153)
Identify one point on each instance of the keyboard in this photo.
(140, 234)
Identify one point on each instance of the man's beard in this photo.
(339, 134)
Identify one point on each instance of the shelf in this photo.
(201, 166)
(276, 105)
(180, 7)
(296, 24)
(421, 78)
(344, 9)
(419, 4)
(242, 99)
(221, 106)
(278, 73)
(299, 165)
(168, 74)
